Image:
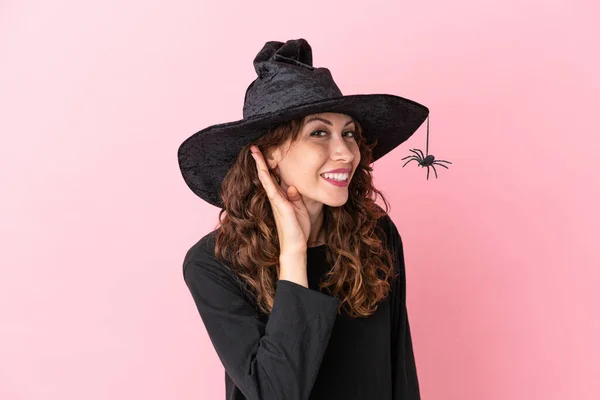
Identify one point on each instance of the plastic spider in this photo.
(426, 161)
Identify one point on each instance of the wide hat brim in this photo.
(206, 156)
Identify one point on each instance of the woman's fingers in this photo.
(287, 207)
(263, 173)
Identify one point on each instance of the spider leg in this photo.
(410, 156)
(428, 172)
(419, 155)
(419, 159)
(441, 165)
(443, 161)
(412, 159)
(420, 151)
(435, 170)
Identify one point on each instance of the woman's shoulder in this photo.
(202, 249)
(200, 259)
(386, 223)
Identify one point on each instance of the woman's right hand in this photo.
(290, 212)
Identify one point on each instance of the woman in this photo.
(302, 286)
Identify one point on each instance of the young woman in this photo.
(302, 287)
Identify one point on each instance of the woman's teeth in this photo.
(337, 177)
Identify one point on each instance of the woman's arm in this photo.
(405, 383)
(279, 359)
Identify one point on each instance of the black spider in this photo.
(426, 161)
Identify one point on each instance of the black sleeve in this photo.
(278, 359)
(405, 383)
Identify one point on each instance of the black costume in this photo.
(304, 349)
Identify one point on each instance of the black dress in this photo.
(303, 349)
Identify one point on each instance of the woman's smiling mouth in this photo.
(331, 178)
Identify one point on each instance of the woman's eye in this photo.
(313, 133)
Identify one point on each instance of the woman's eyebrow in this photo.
(350, 121)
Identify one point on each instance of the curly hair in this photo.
(362, 270)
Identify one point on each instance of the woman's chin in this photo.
(334, 200)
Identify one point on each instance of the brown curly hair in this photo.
(362, 269)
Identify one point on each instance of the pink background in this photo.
(95, 98)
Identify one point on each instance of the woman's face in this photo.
(326, 141)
